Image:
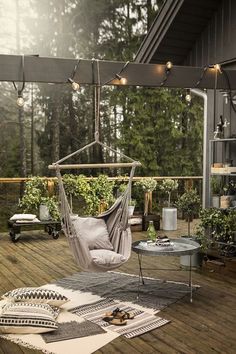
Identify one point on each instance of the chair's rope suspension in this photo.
(97, 98)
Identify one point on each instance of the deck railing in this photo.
(11, 191)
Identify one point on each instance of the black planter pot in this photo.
(151, 217)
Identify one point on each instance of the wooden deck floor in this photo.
(205, 326)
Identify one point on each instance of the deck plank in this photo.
(205, 326)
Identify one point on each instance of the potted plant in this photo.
(169, 214)
(36, 200)
(91, 197)
(216, 189)
(131, 207)
(147, 185)
(217, 225)
(229, 195)
(189, 204)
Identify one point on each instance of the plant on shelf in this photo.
(216, 185)
(36, 194)
(189, 204)
(147, 185)
(216, 190)
(216, 225)
(230, 188)
(168, 185)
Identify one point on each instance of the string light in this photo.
(122, 80)
(169, 65)
(75, 85)
(217, 67)
(20, 100)
(188, 97)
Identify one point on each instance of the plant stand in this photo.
(169, 219)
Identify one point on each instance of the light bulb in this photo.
(169, 65)
(217, 67)
(123, 81)
(188, 98)
(20, 101)
(75, 86)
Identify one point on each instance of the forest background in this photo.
(155, 126)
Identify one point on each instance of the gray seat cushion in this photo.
(94, 231)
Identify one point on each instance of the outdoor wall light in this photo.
(188, 97)
(20, 100)
(74, 84)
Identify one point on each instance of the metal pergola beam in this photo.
(58, 70)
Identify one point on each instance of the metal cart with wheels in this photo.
(53, 228)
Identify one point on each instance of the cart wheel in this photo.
(49, 230)
(14, 237)
(55, 234)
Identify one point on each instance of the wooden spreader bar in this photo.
(93, 165)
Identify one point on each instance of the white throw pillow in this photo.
(36, 295)
(94, 231)
(29, 217)
(107, 257)
(23, 318)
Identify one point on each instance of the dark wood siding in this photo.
(217, 42)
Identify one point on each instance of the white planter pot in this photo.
(169, 219)
(43, 212)
(215, 201)
(196, 260)
(131, 210)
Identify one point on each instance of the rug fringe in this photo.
(25, 344)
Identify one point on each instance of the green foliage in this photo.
(103, 191)
(229, 188)
(147, 184)
(155, 126)
(218, 223)
(189, 202)
(216, 185)
(132, 202)
(89, 193)
(168, 185)
(36, 193)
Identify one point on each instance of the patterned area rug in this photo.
(155, 294)
(141, 323)
(71, 330)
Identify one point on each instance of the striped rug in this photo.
(141, 323)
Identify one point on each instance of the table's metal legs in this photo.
(190, 278)
(140, 275)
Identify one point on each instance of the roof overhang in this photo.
(177, 26)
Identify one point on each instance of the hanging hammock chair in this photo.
(100, 243)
